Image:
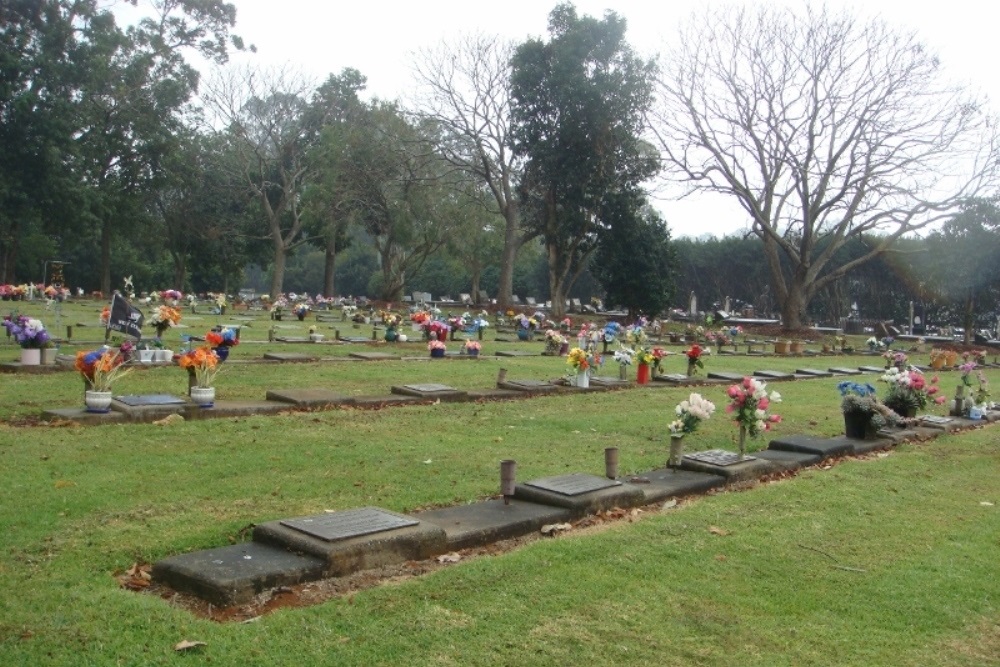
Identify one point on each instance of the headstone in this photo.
(575, 303)
(515, 299)
(693, 305)
(530, 301)
(465, 298)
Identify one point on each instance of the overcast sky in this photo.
(379, 38)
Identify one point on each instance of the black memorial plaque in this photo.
(349, 523)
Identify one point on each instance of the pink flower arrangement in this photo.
(749, 404)
(435, 345)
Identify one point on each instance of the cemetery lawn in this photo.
(886, 560)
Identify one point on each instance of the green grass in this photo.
(79, 504)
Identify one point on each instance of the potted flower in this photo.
(202, 365)
(658, 355)
(301, 310)
(163, 318)
(525, 327)
(909, 391)
(391, 322)
(30, 334)
(472, 348)
(694, 360)
(435, 330)
(581, 364)
(863, 414)
(690, 413)
(749, 403)
(100, 369)
(437, 348)
(222, 339)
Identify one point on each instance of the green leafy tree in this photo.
(635, 261)
(580, 101)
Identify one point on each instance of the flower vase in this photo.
(222, 352)
(146, 356)
(437, 353)
(743, 441)
(583, 380)
(203, 397)
(857, 425)
(676, 450)
(622, 372)
(642, 374)
(524, 334)
(391, 335)
(49, 355)
(692, 368)
(163, 356)
(564, 349)
(97, 401)
(31, 356)
(472, 353)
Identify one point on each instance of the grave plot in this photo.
(431, 391)
(528, 386)
(308, 398)
(290, 356)
(579, 492)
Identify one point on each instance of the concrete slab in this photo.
(838, 370)
(871, 445)
(674, 378)
(235, 574)
(289, 356)
(807, 444)
(609, 383)
(580, 503)
(82, 416)
(486, 522)
(872, 369)
(291, 339)
(663, 483)
(896, 435)
(529, 386)
(308, 398)
(788, 460)
(385, 399)
(235, 409)
(375, 356)
(750, 469)
(355, 339)
(495, 394)
(362, 552)
(441, 392)
(517, 353)
(813, 372)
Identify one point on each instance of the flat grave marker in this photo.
(773, 375)
(720, 375)
(718, 457)
(139, 400)
(871, 369)
(517, 353)
(348, 523)
(375, 356)
(573, 484)
(844, 371)
(813, 372)
(288, 356)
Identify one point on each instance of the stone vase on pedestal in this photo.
(676, 450)
(203, 397)
(97, 401)
(31, 356)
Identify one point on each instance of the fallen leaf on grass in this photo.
(670, 504)
(64, 484)
(136, 577)
(449, 558)
(986, 503)
(187, 645)
(554, 528)
(715, 530)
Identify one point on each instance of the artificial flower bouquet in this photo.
(581, 361)
(909, 390)
(101, 368)
(749, 404)
(27, 332)
(163, 318)
(690, 413)
(201, 362)
(436, 345)
(225, 337)
(694, 359)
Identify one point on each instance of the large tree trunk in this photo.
(511, 244)
(180, 270)
(329, 267)
(793, 306)
(557, 284)
(278, 267)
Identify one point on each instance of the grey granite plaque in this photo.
(137, 400)
(718, 457)
(773, 375)
(531, 384)
(349, 523)
(813, 372)
(839, 370)
(429, 387)
(872, 369)
(719, 375)
(573, 484)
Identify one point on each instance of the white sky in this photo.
(378, 39)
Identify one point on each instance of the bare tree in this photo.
(823, 128)
(466, 91)
(267, 122)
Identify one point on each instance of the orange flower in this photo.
(214, 339)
